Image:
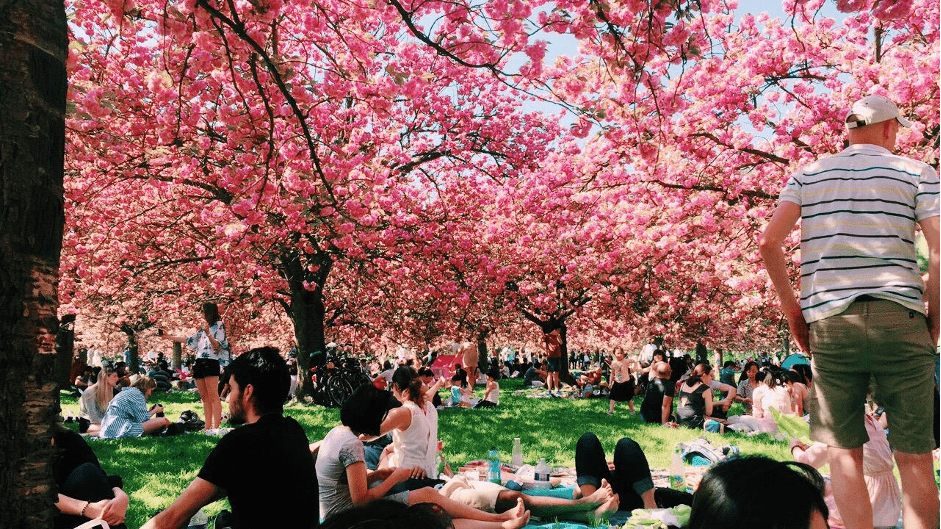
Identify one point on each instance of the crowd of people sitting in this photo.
(382, 462)
(394, 436)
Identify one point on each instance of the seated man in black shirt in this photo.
(658, 401)
(263, 467)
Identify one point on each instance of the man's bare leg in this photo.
(597, 515)
(919, 495)
(457, 510)
(552, 506)
(849, 488)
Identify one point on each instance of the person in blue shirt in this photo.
(127, 414)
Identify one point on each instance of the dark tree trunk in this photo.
(307, 311)
(65, 351)
(33, 47)
(547, 326)
(483, 358)
(177, 355)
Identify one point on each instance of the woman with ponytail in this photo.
(695, 398)
(414, 425)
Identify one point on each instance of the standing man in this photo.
(264, 467)
(862, 303)
(553, 343)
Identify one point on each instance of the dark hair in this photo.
(791, 376)
(805, 371)
(266, 371)
(744, 375)
(426, 372)
(493, 373)
(365, 409)
(695, 376)
(406, 380)
(728, 363)
(660, 352)
(211, 313)
(756, 491)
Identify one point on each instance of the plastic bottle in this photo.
(493, 474)
(541, 477)
(677, 472)
(199, 520)
(517, 460)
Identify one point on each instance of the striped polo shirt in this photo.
(126, 415)
(859, 209)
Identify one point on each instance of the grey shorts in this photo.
(883, 340)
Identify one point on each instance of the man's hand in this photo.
(799, 330)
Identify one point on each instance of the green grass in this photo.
(156, 470)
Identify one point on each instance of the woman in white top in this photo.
(95, 400)
(771, 395)
(414, 426)
(344, 480)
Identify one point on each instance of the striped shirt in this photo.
(126, 415)
(859, 209)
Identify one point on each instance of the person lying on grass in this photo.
(344, 480)
(415, 432)
(264, 467)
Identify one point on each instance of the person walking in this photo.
(861, 311)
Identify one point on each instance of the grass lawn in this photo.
(156, 470)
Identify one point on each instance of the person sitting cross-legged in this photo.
(127, 414)
(264, 467)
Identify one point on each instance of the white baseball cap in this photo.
(874, 109)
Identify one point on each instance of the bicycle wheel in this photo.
(338, 390)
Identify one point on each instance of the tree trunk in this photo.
(177, 355)
(33, 48)
(65, 351)
(307, 312)
(483, 358)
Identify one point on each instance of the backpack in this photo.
(700, 452)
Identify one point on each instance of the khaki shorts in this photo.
(481, 495)
(884, 340)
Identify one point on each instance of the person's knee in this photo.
(587, 441)
(424, 495)
(507, 499)
(626, 444)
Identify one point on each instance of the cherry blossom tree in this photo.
(374, 166)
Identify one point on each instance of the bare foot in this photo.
(517, 521)
(606, 509)
(515, 512)
(600, 496)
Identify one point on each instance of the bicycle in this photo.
(335, 377)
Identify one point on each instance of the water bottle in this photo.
(493, 474)
(517, 460)
(677, 472)
(199, 520)
(541, 477)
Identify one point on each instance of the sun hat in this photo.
(874, 109)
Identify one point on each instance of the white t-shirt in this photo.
(340, 449)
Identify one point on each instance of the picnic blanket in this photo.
(563, 486)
